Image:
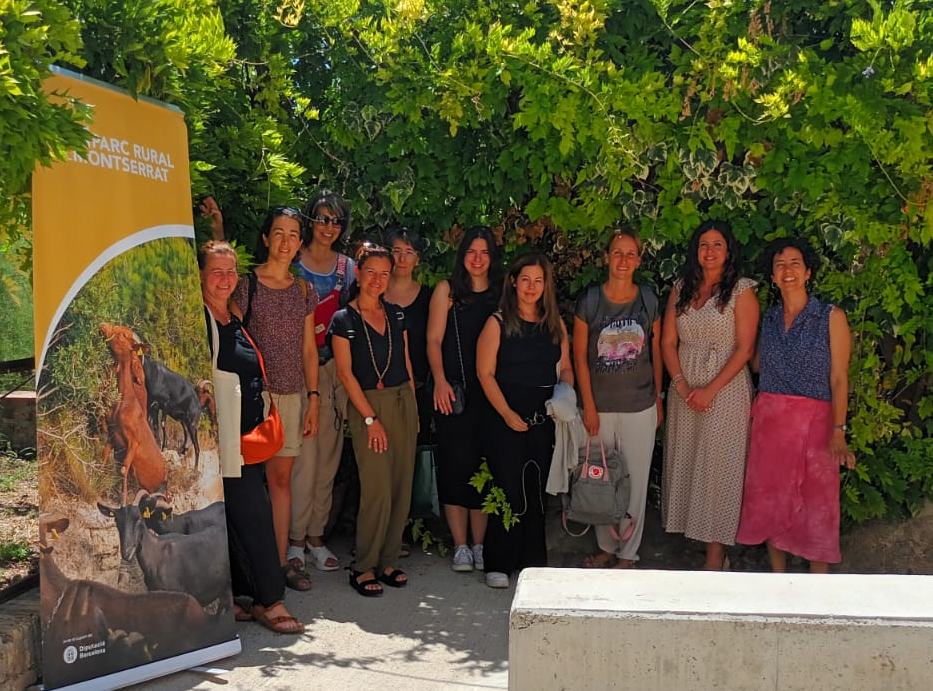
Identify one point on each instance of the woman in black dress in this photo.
(459, 308)
(521, 354)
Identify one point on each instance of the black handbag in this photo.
(459, 403)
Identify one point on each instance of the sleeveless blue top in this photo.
(796, 362)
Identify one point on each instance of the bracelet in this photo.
(844, 427)
(677, 378)
(314, 393)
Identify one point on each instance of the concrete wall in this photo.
(18, 419)
(687, 630)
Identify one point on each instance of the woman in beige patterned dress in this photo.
(708, 337)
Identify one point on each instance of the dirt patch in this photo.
(19, 512)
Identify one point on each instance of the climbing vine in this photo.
(552, 122)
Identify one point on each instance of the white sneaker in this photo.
(478, 557)
(497, 579)
(463, 559)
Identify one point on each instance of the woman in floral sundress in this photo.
(708, 337)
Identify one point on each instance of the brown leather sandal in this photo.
(285, 624)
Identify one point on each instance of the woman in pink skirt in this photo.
(798, 434)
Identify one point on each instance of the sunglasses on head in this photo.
(286, 211)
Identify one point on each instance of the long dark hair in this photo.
(461, 287)
(548, 311)
(262, 252)
(367, 251)
(332, 201)
(691, 274)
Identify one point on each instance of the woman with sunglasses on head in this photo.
(522, 352)
(327, 218)
(370, 346)
(278, 309)
(459, 308)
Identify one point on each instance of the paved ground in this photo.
(444, 631)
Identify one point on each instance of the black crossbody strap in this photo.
(250, 293)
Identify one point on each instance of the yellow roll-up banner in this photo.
(124, 417)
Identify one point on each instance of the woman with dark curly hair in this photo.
(798, 436)
(459, 309)
(708, 337)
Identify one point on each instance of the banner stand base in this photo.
(161, 668)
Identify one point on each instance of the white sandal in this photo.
(321, 555)
(295, 552)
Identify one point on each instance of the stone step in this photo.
(695, 631)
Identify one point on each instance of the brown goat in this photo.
(129, 435)
(205, 389)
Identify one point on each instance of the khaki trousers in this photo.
(385, 478)
(316, 465)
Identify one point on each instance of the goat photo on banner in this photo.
(134, 560)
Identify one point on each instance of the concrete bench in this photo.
(694, 630)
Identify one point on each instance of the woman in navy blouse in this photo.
(798, 434)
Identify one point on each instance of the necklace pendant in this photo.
(379, 385)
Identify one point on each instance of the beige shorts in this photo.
(290, 408)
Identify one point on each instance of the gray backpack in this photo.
(599, 492)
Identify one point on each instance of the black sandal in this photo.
(391, 579)
(360, 586)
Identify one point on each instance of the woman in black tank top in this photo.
(521, 354)
(459, 308)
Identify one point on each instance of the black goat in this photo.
(170, 394)
(175, 561)
(161, 518)
(134, 628)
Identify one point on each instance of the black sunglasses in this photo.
(536, 419)
(335, 221)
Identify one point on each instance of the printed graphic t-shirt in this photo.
(619, 351)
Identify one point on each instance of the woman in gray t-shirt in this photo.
(617, 357)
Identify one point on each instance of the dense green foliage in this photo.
(554, 121)
(16, 297)
(33, 129)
